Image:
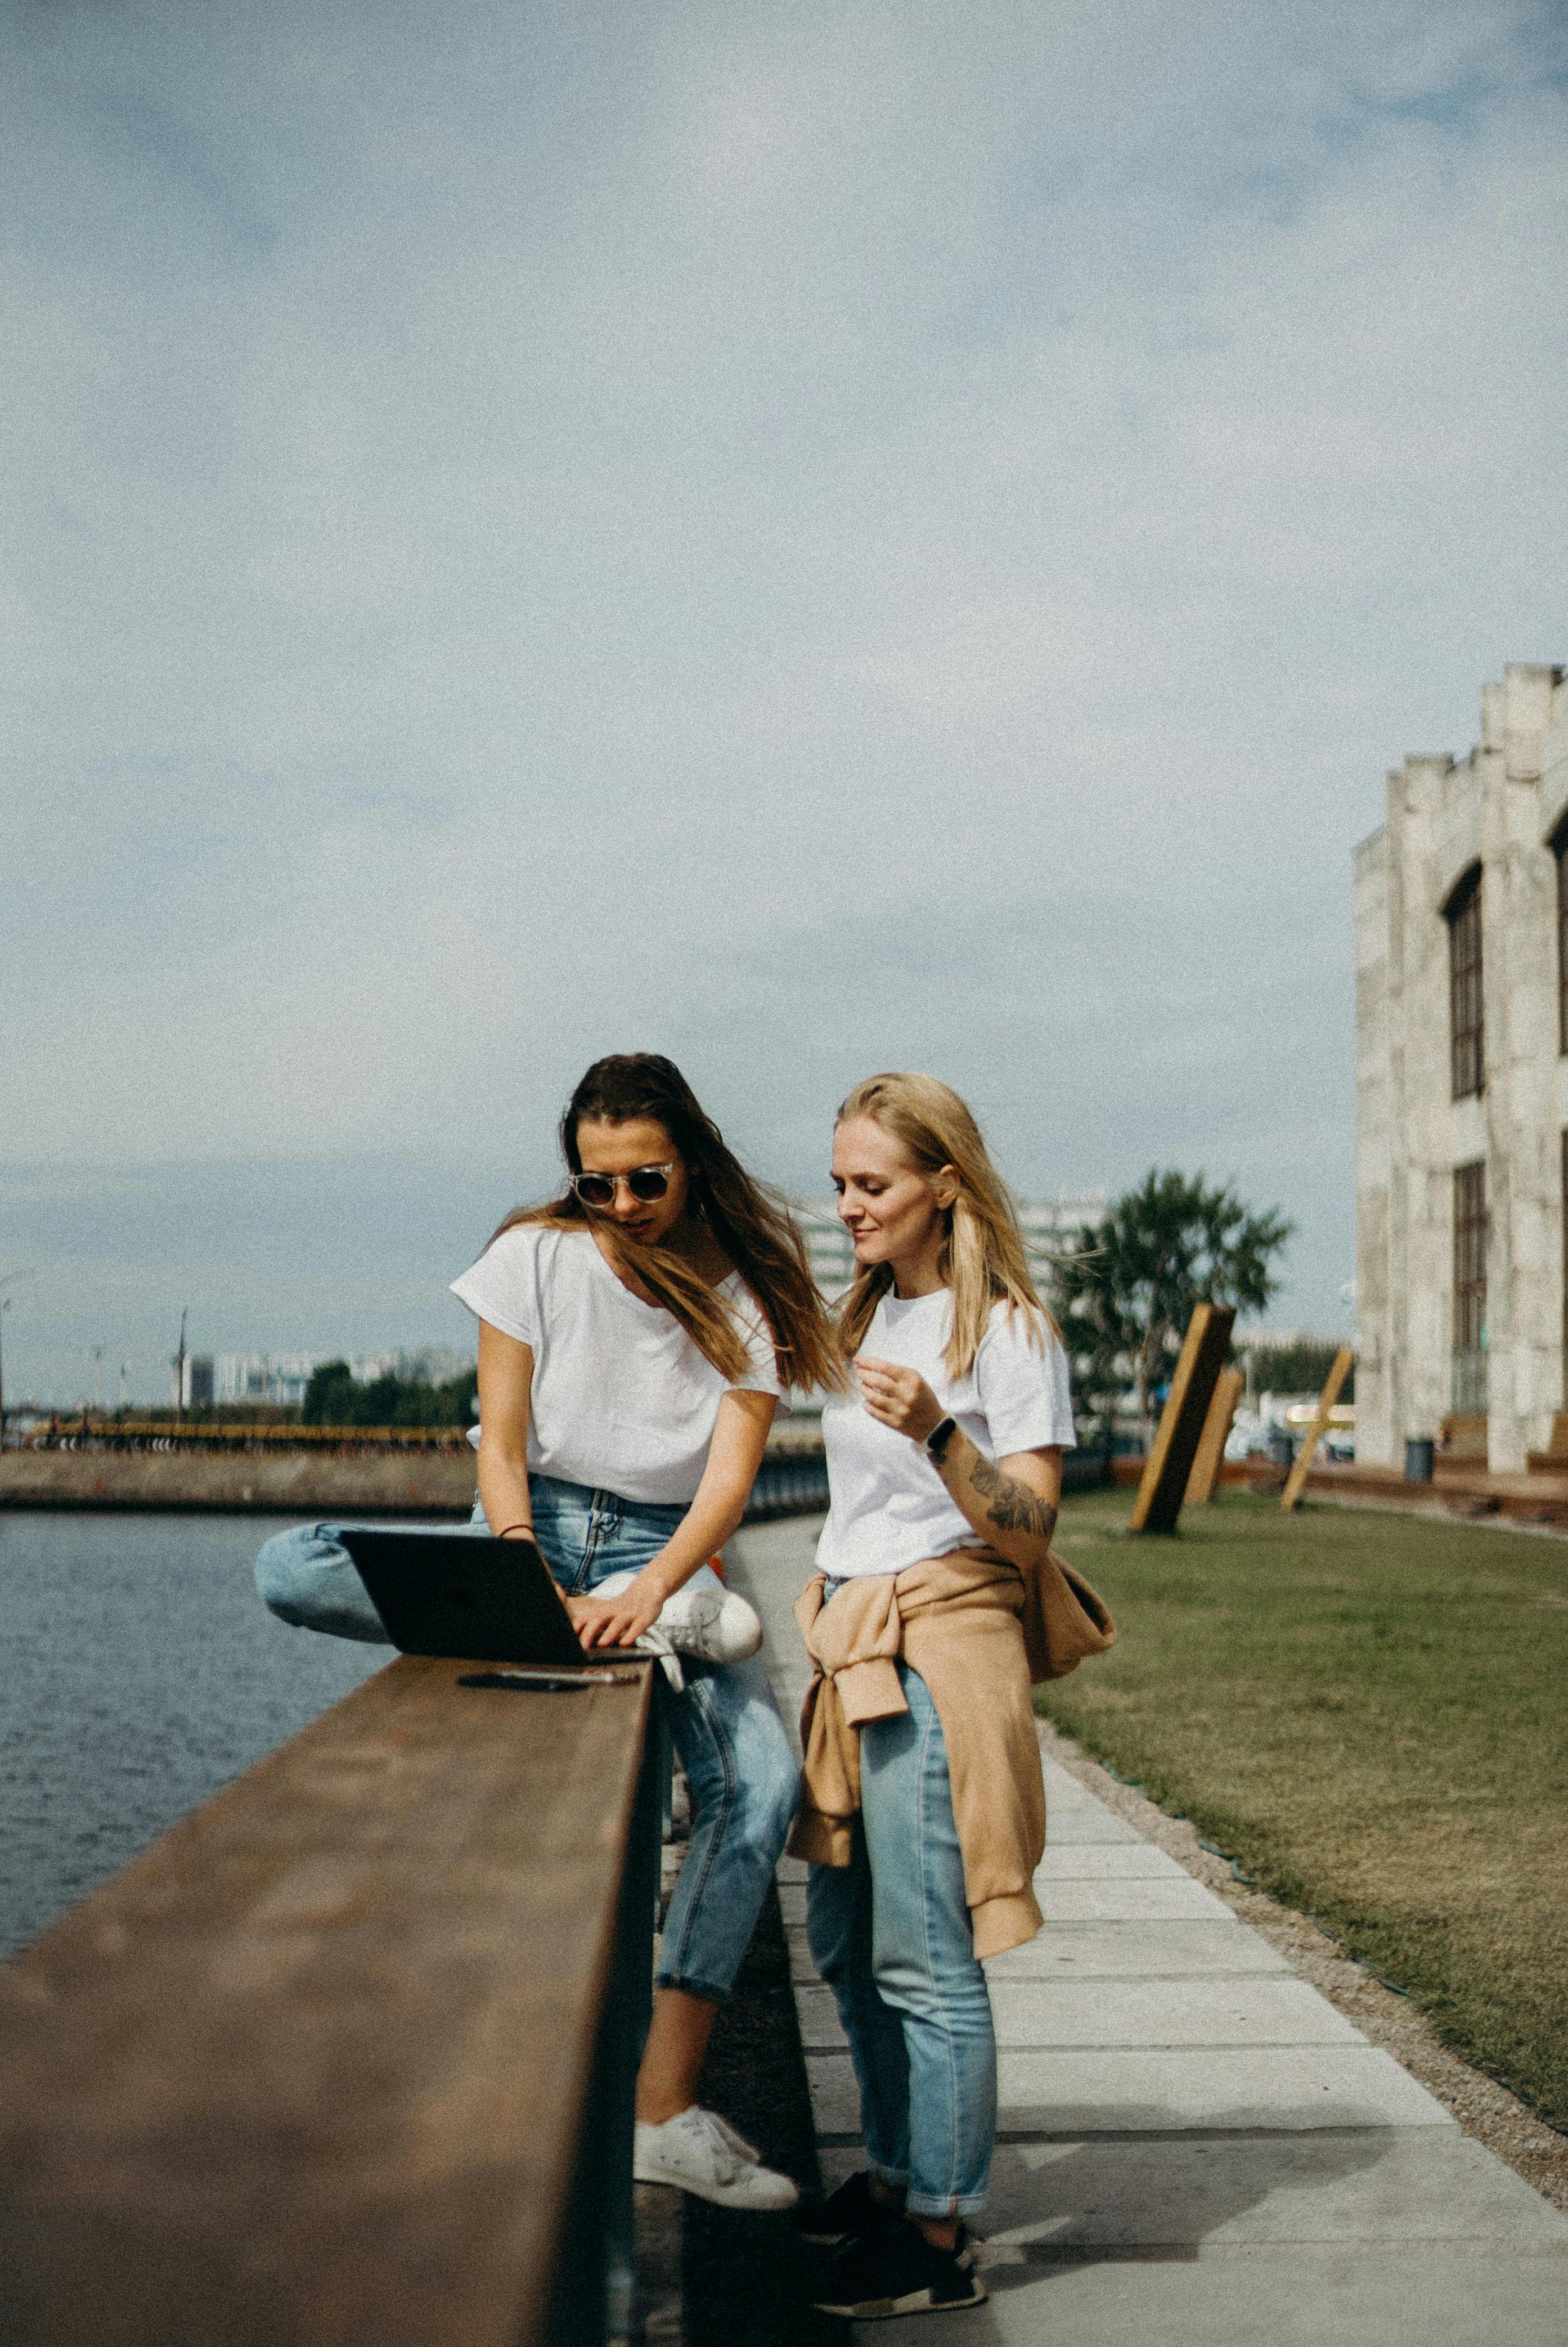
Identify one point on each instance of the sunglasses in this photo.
(645, 1183)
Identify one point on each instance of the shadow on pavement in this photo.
(745, 2279)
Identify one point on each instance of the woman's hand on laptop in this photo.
(617, 1621)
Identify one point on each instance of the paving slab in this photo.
(1331, 2297)
(1099, 1861)
(803, 1968)
(792, 1904)
(1210, 2090)
(1096, 1825)
(1158, 1898)
(1198, 1949)
(1064, 1793)
(1133, 2013)
(1170, 2193)
(1193, 2146)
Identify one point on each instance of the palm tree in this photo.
(1124, 1296)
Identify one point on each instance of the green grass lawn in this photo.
(1370, 1712)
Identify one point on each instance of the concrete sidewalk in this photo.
(1193, 2144)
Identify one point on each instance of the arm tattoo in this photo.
(1011, 1505)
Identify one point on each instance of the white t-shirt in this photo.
(621, 1400)
(889, 1506)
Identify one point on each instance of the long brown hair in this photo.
(750, 1222)
(982, 1259)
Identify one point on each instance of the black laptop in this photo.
(461, 1595)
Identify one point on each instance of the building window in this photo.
(1468, 1059)
(1560, 849)
(1470, 1290)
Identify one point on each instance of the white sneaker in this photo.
(698, 2152)
(714, 1624)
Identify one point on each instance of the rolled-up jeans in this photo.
(726, 1726)
(890, 1934)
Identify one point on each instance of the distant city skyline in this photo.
(336, 1299)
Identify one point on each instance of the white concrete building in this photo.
(1461, 1087)
(262, 1377)
(431, 1365)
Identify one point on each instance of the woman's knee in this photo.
(737, 1754)
(308, 1579)
(284, 1566)
(774, 1781)
(926, 1979)
(767, 1796)
(756, 1805)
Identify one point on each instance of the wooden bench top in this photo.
(309, 2073)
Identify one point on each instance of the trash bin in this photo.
(1419, 1453)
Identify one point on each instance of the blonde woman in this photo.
(924, 1808)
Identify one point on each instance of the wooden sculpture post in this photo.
(1164, 1479)
(1203, 1481)
(1296, 1478)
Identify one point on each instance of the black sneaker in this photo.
(847, 2215)
(895, 2270)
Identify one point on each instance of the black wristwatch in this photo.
(936, 1441)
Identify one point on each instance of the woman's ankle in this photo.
(656, 2111)
(942, 2232)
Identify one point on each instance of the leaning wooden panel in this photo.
(1164, 1478)
(1209, 1457)
(1294, 1482)
(310, 2072)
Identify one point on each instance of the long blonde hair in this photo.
(752, 1225)
(983, 1259)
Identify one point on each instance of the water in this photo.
(138, 1673)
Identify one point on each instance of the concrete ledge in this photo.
(294, 1484)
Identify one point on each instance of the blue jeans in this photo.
(890, 1934)
(726, 1726)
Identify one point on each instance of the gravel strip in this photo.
(1483, 2109)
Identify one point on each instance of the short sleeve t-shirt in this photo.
(621, 1400)
(889, 1507)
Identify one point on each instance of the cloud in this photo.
(181, 159)
(795, 536)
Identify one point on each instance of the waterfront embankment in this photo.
(368, 1480)
(286, 1482)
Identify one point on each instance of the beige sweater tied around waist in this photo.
(979, 1631)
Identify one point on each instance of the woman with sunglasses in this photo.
(634, 1337)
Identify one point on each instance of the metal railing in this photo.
(789, 1484)
(85, 1431)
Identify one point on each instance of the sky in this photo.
(811, 537)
